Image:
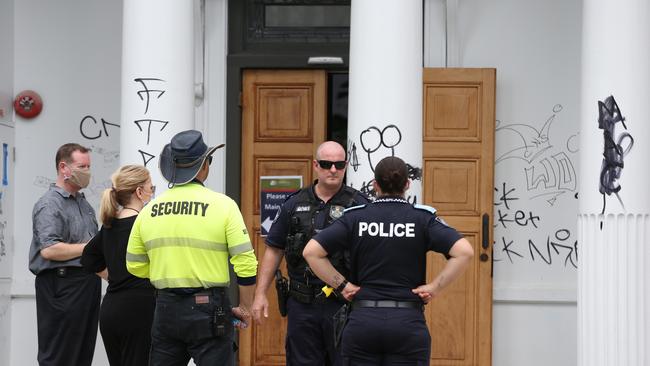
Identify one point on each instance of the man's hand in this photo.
(240, 313)
(260, 307)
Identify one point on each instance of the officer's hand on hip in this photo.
(349, 291)
(426, 292)
(260, 307)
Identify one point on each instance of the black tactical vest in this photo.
(301, 229)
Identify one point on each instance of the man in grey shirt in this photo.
(67, 298)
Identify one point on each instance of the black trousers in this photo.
(184, 328)
(67, 312)
(125, 323)
(386, 336)
(310, 333)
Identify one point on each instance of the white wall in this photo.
(535, 47)
(70, 53)
(6, 174)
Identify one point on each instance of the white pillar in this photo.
(385, 93)
(614, 227)
(157, 79)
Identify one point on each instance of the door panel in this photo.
(458, 155)
(283, 121)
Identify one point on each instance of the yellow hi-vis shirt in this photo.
(184, 237)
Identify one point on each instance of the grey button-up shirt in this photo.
(59, 217)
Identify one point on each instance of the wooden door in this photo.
(283, 122)
(458, 174)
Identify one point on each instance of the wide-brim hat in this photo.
(181, 159)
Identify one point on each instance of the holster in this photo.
(282, 288)
(340, 318)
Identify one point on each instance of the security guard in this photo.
(388, 241)
(309, 310)
(181, 241)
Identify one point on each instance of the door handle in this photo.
(486, 231)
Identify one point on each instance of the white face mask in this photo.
(151, 197)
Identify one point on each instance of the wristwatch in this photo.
(341, 286)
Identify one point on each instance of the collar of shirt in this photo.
(63, 192)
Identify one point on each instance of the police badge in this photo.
(336, 212)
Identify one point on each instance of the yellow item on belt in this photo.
(327, 290)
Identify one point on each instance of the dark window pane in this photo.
(307, 15)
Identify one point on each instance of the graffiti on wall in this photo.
(377, 143)
(615, 148)
(150, 92)
(543, 172)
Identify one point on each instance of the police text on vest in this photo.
(387, 230)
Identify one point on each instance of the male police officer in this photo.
(309, 330)
(388, 241)
(181, 241)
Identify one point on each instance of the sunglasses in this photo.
(326, 164)
(210, 160)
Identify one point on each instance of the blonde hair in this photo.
(125, 181)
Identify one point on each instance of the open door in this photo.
(283, 122)
(458, 175)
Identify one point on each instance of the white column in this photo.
(614, 226)
(157, 79)
(385, 93)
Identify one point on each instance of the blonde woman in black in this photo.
(127, 309)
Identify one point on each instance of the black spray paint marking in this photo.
(147, 92)
(373, 138)
(354, 159)
(558, 244)
(94, 132)
(150, 122)
(146, 157)
(609, 114)
(549, 169)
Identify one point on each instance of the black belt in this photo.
(190, 291)
(386, 304)
(64, 271)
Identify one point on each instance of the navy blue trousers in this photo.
(386, 336)
(310, 336)
(183, 328)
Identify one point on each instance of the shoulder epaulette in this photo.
(354, 208)
(425, 208)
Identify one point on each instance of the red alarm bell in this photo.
(28, 104)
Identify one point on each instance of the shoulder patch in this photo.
(425, 208)
(353, 208)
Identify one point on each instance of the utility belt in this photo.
(308, 294)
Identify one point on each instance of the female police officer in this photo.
(388, 241)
